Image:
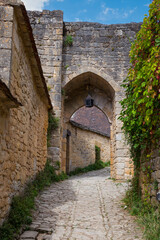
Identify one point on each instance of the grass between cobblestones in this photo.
(148, 216)
(20, 214)
(96, 166)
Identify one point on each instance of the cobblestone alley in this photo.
(83, 207)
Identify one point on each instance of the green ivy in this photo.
(141, 108)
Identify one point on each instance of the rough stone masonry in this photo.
(24, 105)
(98, 56)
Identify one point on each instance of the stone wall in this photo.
(101, 51)
(48, 33)
(23, 109)
(150, 177)
(82, 147)
(6, 25)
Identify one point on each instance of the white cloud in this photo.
(60, 0)
(110, 13)
(109, 10)
(35, 4)
(78, 20)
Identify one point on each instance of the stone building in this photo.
(24, 104)
(98, 57)
(89, 127)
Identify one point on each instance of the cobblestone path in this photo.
(83, 207)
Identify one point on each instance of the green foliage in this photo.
(53, 123)
(97, 154)
(63, 92)
(107, 164)
(49, 88)
(57, 165)
(67, 66)
(147, 215)
(20, 213)
(96, 166)
(155, 184)
(68, 40)
(141, 108)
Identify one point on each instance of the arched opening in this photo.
(90, 129)
(85, 124)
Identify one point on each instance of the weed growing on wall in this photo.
(68, 40)
(20, 213)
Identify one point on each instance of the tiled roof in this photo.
(92, 118)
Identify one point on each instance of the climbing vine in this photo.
(141, 108)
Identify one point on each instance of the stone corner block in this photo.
(29, 235)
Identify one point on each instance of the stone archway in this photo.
(106, 98)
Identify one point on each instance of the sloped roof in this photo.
(92, 119)
(31, 49)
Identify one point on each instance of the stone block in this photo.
(6, 13)
(5, 43)
(122, 153)
(5, 59)
(120, 165)
(29, 235)
(119, 136)
(119, 173)
(6, 29)
(158, 174)
(121, 145)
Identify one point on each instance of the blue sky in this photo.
(102, 11)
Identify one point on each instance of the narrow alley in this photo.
(83, 207)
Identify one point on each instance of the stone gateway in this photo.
(40, 50)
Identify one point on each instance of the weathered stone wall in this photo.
(150, 177)
(155, 176)
(6, 25)
(23, 112)
(98, 46)
(48, 33)
(97, 49)
(82, 147)
(104, 51)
